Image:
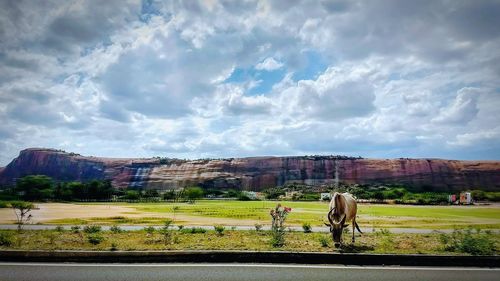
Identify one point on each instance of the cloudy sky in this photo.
(245, 78)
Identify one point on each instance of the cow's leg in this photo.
(353, 228)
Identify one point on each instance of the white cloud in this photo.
(269, 64)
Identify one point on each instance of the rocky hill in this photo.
(255, 173)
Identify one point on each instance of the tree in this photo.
(35, 187)
(22, 211)
(193, 193)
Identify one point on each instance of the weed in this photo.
(149, 229)
(307, 227)
(92, 229)
(466, 241)
(114, 247)
(219, 229)
(324, 241)
(193, 230)
(59, 228)
(6, 239)
(95, 238)
(75, 229)
(258, 227)
(115, 229)
(180, 227)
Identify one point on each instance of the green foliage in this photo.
(6, 239)
(219, 229)
(150, 193)
(232, 193)
(324, 241)
(307, 227)
(115, 229)
(131, 195)
(23, 212)
(114, 247)
(180, 227)
(193, 230)
(167, 234)
(149, 229)
(278, 214)
(258, 227)
(469, 241)
(277, 238)
(193, 193)
(75, 229)
(59, 228)
(35, 187)
(273, 193)
(95, 238)
(92, 229)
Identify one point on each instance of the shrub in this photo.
(324, 241)
(59, 228)
(219, 229)
(307, 227)
(193, 230)
(466, 241)
(278, 215)
(115, 229)
(75, 229)
(149, 229)
(114, 247)
(180, 227)
(95, 238)
(92, 229)
(6, 239)
(258, 227)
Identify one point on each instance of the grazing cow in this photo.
(343, 209)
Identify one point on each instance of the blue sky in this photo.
(212, 78)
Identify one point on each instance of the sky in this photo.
(187, 79)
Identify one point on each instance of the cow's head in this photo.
(336, 227)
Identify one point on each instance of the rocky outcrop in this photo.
(256, 173)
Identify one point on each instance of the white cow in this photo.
(343, 208)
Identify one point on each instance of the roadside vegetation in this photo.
(381, 241)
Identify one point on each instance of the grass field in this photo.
(380, 242)
(251, 212)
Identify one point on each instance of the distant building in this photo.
(325, 196)
(465, 198)
(452, 198)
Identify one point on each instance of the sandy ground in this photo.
(52, 211)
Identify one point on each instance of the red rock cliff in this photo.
(257, 173)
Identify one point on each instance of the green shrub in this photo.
(95, 238)
(219, 229)
(92, 229)
(115, 229)
(258, 227)
(467, 241)
(324, 241)
(149, 229)
(114, 247)
(59, 228)
(75, 229)
(6, 239)
(307, 227)
(193, 230)
(277, 238)
(180, 227)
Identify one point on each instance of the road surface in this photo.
(221, 272)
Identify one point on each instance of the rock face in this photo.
(256, 173)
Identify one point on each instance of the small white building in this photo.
(325, 196)
(466, 198)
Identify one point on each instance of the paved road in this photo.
(241, 227)
(221, 272)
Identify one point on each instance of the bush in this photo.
(95, 239)
(6, 239)
(219, 229)
(115, 229)
(75, 229)
(92, 229)
(307, 227)
(149, 229)
(277, 238)
(180, 227)
(324, 241)
(466, 241)
(193, 230)
(258, 227)
(59, 228)
(114, 247)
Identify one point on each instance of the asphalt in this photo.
(222, 272)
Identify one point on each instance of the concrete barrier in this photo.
(246, 257)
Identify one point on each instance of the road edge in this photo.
(247, 257)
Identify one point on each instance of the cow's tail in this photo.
(357, 227)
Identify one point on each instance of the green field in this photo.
(372, 216)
